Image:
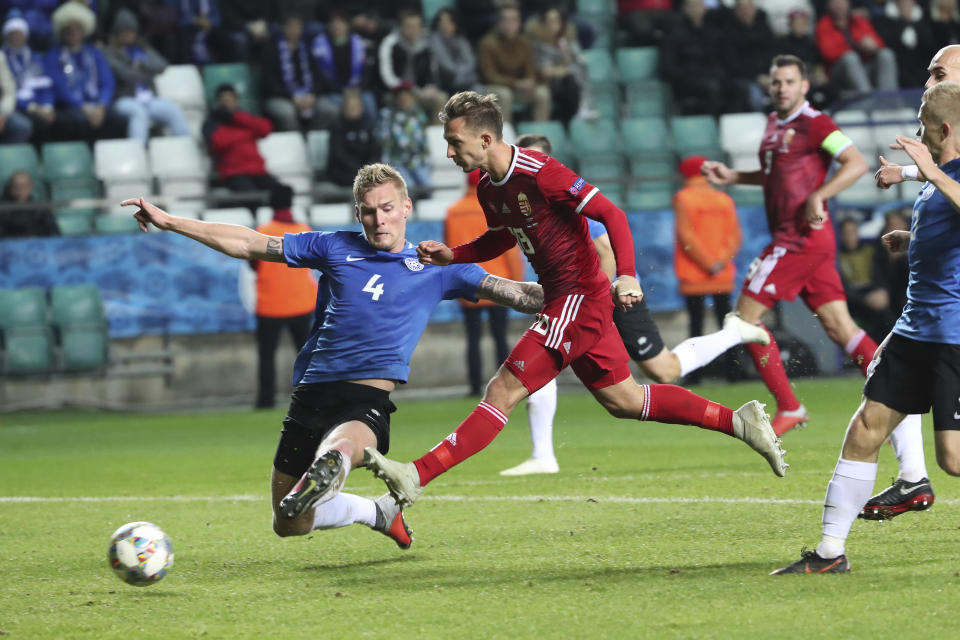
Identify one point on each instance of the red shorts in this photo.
(778, 274)
(573, 331)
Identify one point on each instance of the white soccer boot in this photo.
(533, 466)
(402, 478)
(751, 424)
(748, 331)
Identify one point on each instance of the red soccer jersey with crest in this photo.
(795, 155)
(539, 201)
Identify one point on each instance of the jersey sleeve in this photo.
(462, 281)
(307, 249)
(596, 229)
(827, 136)
(562, 187)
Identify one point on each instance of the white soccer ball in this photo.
(140, 553)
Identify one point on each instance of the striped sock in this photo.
(675, 405)
(476, 432)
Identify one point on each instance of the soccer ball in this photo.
(140, 553)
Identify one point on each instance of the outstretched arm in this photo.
(929, 170)
(232, 239)
(720, 174)
(485, 247)
(525, 297)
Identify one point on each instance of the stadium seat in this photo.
(886, 134)
(18, 157)
(605, 169)
(651, 197)
(431, 8)
(318, 150)
(555, 132)
(741, 133)
(594, 138)
(331, 215)
(27, 351)
(286, 157)
(597, 7)
(600, 67)
(108, 224)
(67, 160)
(74, 188)
(443, 173)
(237, 74)
(905, 115)
(76, 304)
(864, 192)
(695, 135)
(637, 64)
(123, 167)
(75, 222)
(83, 347)
(644, 168)
(746, 196)
(181, 83)
(647, 139)
(606, 101)
(23, 307)
(851, 116)
(647, 99)
(230, 215)
(863, 139)
(178, 165)
(432, 209)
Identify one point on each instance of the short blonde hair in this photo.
(942, 102)
(373, 175)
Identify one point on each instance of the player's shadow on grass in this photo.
(358, 565)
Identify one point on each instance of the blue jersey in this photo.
(372, 306)
(933, 293)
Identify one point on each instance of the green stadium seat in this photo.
(694, 134)
(24, 307)
(746, 196)
(646, 168)
(637, 64)
(555, 132)
(606, 101)
(83, 347)
(67, 160)
(647, 138)
(605, 170)
(432, 8)
(651, 197)
(19, 157)
(27, 351)
(647, 99)
(597, 7)
(318, 150)
(76, 304)
(600, 67)
(72, 188)
(110, 224)
(71, 224)
(239, 75)
(594, 138)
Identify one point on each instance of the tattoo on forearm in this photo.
(274, 247)
(525, 297)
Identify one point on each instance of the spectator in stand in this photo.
(231, 136)
(909, 34)
(37, 14)
(83, 84)
(402, 130)
(645, 21)
(405, 57)
(855, 54)
(466, 221)
(135, 64)
(14, 126)
(352, 142)
(799, 42)
(245, 22)
(690, 57)
(747, 45)
(27, 219)
(893, 271)
(286, 298)
(289, 81)
(560, 61)
(477, 17)
(708, 238)
(453, 55)
(34, 90)
(506, 61)
(201, 37)
(869, 301)
(342, 63)
(945, 22)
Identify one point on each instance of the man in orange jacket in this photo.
(285, 298)
(708, 237)
(465, 221)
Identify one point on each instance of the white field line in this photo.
(437, 498)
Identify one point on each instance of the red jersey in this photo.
(795, 155)
(540, 202)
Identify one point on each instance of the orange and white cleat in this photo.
(786, 420)
(390, 521)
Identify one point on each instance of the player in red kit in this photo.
(533, 201)
(797, 149)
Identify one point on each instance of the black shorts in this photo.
(640, 335)
(316, 409)
(911, 376)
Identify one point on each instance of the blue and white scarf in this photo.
(289, 73)
(81, 68)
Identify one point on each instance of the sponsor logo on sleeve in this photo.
(576, 186)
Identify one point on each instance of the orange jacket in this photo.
(465, 221)
(283, 292)
(707, 232)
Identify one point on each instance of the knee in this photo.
(949, 462)
(288, 528)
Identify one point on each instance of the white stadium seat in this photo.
(851, 116)
(431, 209)
(742, 132)
(182, 84)
(230, 215)
(443, 173)
(123, 167)
(318, 146)
(286, 157)
(331, 215)
(179, 167)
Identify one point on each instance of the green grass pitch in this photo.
(648, 531)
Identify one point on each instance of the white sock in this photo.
(541, 407)
(848, 491)
(344, 509)
(907, 441)
(694, 353)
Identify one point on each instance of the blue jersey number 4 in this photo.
(374, 291)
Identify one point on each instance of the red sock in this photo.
(476, 432)
(861, 349)
(675, 405)
(770, 366)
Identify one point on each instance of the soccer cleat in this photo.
(322, 481)
(783, 421)
(751, 424)
(748, 331)
(532, 466)
(900, 497)
(390, 521)
(810, 562)
(402, 478)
